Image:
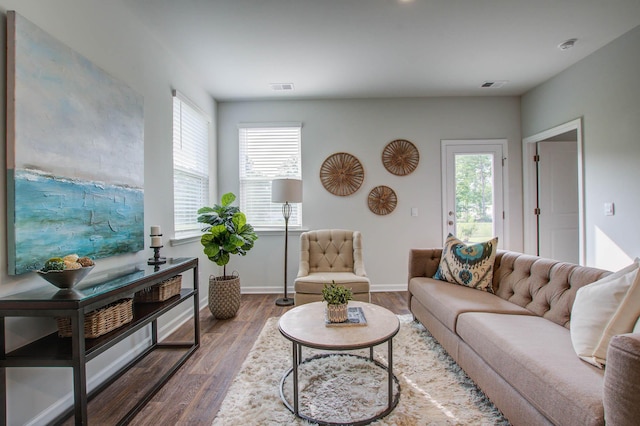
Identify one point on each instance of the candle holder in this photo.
(156, 259)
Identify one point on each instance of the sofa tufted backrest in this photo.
(331, 250)
(544, 286)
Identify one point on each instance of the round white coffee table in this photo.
(305, 326)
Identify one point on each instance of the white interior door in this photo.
(558, 236)
(473, 196)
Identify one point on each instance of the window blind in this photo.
(267, 153)
(190, 165)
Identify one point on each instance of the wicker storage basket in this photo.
(101, 321)
(160, 292)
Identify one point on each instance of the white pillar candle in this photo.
(155, 230)
(156, 241)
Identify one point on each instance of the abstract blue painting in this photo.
(75, 154)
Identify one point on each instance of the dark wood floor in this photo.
(194, 394)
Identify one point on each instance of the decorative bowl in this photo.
(66, 279)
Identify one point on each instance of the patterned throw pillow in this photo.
(469, 265)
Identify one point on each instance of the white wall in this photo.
(363, 128)
(108, 35)
(603, 89)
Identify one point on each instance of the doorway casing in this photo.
(530, 186)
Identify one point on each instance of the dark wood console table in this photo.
(76, 351)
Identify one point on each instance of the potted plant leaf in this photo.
(227, 232)
(337, 298)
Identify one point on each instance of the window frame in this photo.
(275, 209)
(200, 170)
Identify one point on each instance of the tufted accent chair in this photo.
(328, 255)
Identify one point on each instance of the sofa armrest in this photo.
(622, 380)
(423, 262)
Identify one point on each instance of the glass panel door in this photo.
(474, 197)
(472, 188)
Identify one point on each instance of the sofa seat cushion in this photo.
(446, 301)
(314, 282)
(537, 358)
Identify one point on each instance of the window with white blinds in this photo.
(190, 165)
(267, 153)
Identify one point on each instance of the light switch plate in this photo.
(414, 211)
(609, 209)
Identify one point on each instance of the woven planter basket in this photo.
(224, 296)
(338, 313)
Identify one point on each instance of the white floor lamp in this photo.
(286, 191)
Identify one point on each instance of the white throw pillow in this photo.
(603, 309)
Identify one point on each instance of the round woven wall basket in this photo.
(224, 296)
(382, 200)
(341, 174)
(400, 157)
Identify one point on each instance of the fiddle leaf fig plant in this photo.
(335, 294)
(227, 231)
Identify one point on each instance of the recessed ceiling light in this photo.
(566, 45)
(281, 86)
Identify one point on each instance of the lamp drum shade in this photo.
(286, 191)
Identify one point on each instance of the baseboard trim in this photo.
(389, 287)
(279, 290)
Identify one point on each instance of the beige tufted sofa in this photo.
(516, 344)
(328, 255)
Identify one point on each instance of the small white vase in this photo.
(337, 313)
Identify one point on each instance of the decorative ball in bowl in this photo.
(67, 271)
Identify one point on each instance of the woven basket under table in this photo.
(101, 321)
(160, 292)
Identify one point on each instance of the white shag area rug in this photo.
(433, 389)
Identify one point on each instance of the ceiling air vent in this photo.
(566, 45)
(281, 86)
(494, 84)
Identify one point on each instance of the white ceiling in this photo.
(380, 48)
